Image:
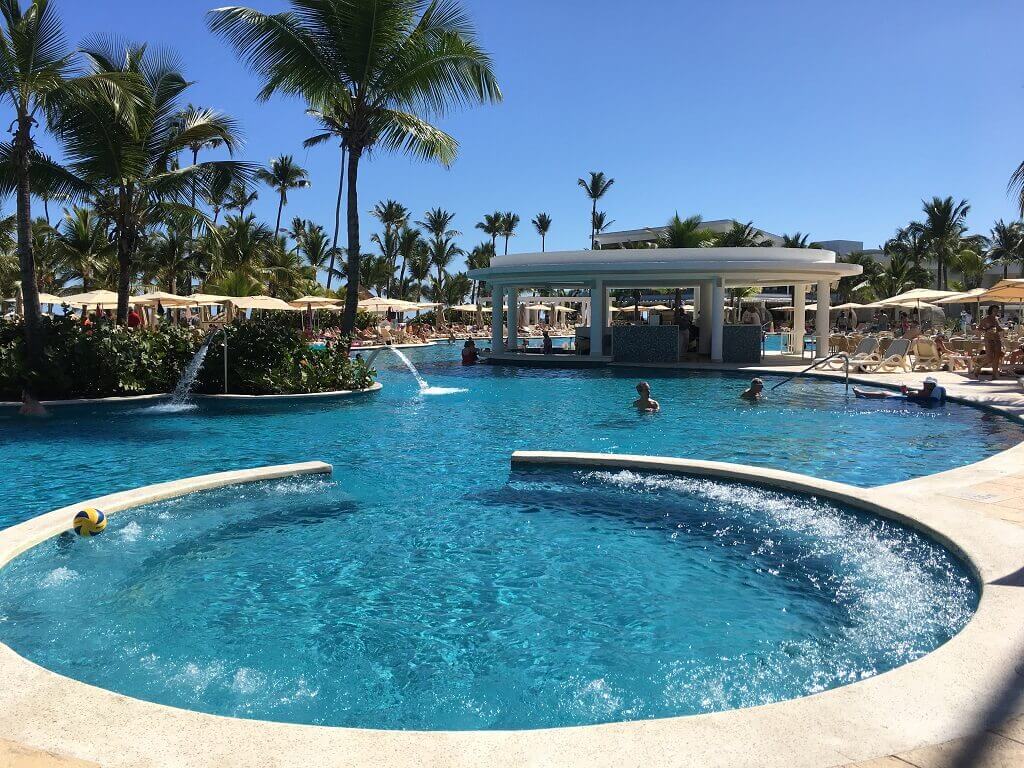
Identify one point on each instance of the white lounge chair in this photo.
(896, 358)
(926, 354)
(866, 353)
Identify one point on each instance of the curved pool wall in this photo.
(809, 426)
(946, 694)
(558, 598)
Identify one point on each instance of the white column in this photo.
(704, 311)
(823, 323)
(799, 317)
(497, 337)
(717, 320)
(513, 319)
(598, 316)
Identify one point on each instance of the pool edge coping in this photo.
(892, 712)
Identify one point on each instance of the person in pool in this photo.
(755, 392)
(929, 394)
(645, 403)
(470, 354)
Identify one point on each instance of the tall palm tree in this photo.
(409, 240)
(480, 258)
(283, 176)
(419, 267)
(132, 162)
(438, 224)
(509, 223)
(1007, 245)
(242, 248)
(491, 226)
(898, 276)
(38, 78)
(1016, 188)
(942, 232)
(392, 215)
(287, 277)
(239, 197)
(370, 65)
(168, 260)
(542, 223)
(84, 245)
(595, 187)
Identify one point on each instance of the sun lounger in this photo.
(896, 358)
(865, 353)
(926, 355)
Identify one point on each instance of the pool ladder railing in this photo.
(817, 363)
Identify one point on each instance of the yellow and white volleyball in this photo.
(90, 522)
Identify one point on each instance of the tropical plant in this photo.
(686, 233)
(491, 226)
(1016, 188)
(449, 290)
(742, 236)
(239, 197)
(167, 258)
(131, 159)
(595, 187)
(859, 287)
(393, 215)
(479, 258)
(509, 223)
(798, 240)
(542, 223)
(900, 275)
(1007, 245)
(39, 78)
(243, 246)
(419, 266)
(368, 66)
(972, 264)
(942, 232)
(287, 277)
(283, 176)
(601, 222)
(84, 246)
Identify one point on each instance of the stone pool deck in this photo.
(968, 715)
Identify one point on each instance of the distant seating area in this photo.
(883, 353)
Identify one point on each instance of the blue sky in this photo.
(824, 117)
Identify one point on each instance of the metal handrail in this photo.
(815, 364)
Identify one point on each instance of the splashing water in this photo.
(425, 388)
(180, 399)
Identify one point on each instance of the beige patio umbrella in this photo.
(262, 302)
(47, 298)
(914, 296)
(968, 297)
(383, 305)
(167, 299)
(1004, 292)
(314, 301)
(208, 299)
(470, 308)
(100, 298)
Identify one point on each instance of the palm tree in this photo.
(1007, 245)
(542, 223)
(239, 197)
(38, 77)
(392, 215)
(287, 277)
(437, 223)
(898, 276)
(242, 248)
(491, 226)
(798, 240)
(283, 176)
(742, 236)
(685, 233)
(859, 286)
(972, 264)
(595, 187)
(509, 222)
(479, 258)
(167, 258)
(601, 222)
(419, 267)
(942, 232)
(409, 241)
(369, 65)
(312, 242)
(1016, 187)
(83, 244)
(132, 161)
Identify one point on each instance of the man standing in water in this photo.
(645, 403)
(756, 391)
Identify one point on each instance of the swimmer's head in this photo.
(643, 389)
(757, 385)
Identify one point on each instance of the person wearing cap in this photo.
(930, 393)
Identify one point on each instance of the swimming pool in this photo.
(542, 599)
(464, 440)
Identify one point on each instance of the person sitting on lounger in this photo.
(755, 392)
(645, 403)
(929, 394)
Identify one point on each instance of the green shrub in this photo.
(270, 356)
(265, 356)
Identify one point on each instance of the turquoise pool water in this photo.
(443, 595)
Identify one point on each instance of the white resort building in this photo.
(708, 272)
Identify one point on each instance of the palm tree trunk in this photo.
(280, 208)
(543, 244)
(352, 293)
(26, 258)
(506, 244)
(124, 255)
(593, 231)
(337, 218)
